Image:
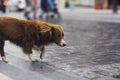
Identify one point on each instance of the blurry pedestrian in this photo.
(28, 9)
(115, 5)
(44, 8)
(71, 4)
(34, 9)
(53, 8)
(67, 4)
(21, 5)
(3, 5)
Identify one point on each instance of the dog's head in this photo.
(58, 35)
(52, 33)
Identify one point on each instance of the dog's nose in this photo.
(64, 45)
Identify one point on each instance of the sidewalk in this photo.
(4, 77)
(90, 14)
(80, 13)
(88, 10)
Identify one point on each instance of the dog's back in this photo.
(11, 28)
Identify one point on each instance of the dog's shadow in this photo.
(41, 67)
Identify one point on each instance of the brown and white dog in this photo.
(29, 35)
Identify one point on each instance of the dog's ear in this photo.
(46, 34)
(53, 30)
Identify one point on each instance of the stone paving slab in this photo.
(13, 73)
(44, 70)
(3, 77)
(93, 50)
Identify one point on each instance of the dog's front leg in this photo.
(31, 58)
(42, 52)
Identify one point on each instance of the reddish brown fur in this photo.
(26, 34)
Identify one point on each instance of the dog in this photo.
(29, 34)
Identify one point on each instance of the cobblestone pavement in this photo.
(93, 50)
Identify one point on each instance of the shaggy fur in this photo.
(29, 34)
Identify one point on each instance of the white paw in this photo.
(4, 60)
(35, 60)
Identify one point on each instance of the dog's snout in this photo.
(64, 45)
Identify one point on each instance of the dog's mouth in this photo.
(63, 43)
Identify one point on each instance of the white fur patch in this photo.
(31, 58)
(62, 42)
(4, 59)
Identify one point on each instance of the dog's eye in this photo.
(62, 34)
(59, 35)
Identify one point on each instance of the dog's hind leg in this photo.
(28, 51)
(2, 53)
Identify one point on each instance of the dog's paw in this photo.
(4, 60)
(35, 60)
(32, 59)
(43, 60)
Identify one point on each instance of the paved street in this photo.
(92, 52)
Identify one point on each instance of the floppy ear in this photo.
(46, 34)
(53, 30)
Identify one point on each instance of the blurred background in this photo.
(48, 8)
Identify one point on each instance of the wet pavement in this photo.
(92, 52)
